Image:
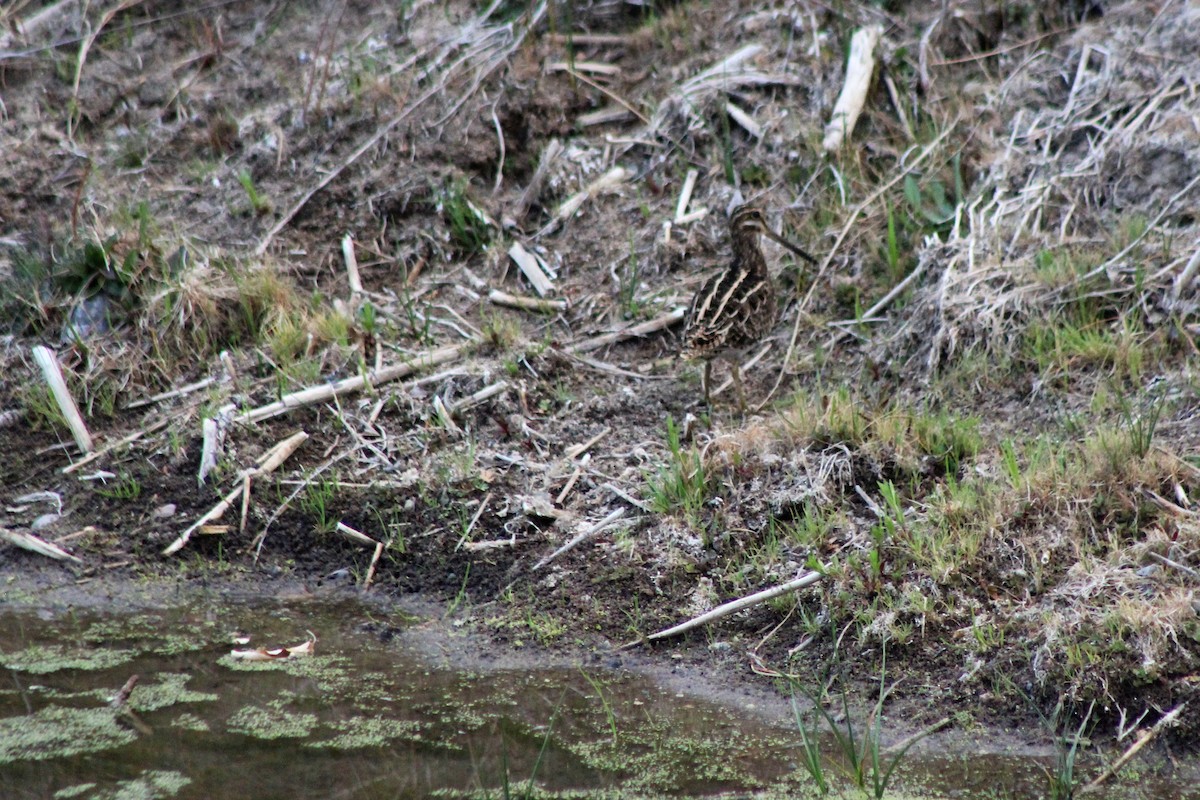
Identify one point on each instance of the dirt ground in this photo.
(977, 418)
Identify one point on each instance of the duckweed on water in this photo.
(150, 785)
(262, 723)
(369, 732)
(190, 722)
(45, 659)
(56, 732)
(169, 690)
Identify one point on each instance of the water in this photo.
(366, 717)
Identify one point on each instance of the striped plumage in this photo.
(736, 308)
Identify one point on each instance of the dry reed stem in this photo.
(734, 606)
(52, 373)
(270, 462)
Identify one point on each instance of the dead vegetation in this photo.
(981, 423)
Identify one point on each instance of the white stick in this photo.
(849, 105)
(734, 606)
(45, 359)
(685, 196)
(526, 303)
(352, 276)
(532, 267)
(327, 391)
(355, 535)
(40, 546)
(748, 123)
(650, 326)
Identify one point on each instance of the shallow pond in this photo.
(367, 715)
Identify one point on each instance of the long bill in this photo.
(790, 246)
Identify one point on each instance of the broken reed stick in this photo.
(51, 371)
(34, 544)
(374, 563)
(355, 535)
(532, 268)
(685, 194)
(271, 461)
(734, 606)
(606, 182)
(320, 394)
(590, 38)
(588, 532)
(748, 123)
(180, 392)
(651, 326)
(352, 276)
(526, 303)
(487, 498)
(108, 448)
(1165, 722)
(486, 393)
(859, 66)
(593, 67)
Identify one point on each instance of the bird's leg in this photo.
(737, 384)
(707, 381)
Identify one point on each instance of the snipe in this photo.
(736, 308)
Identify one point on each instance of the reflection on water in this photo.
(364, 719)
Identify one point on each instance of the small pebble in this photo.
(164, 511)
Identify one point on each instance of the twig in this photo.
(1175, 565)
(641, 329)
(575, 451)
(355, 535)
(627, 497)
(550, 153)
(606, 182)
(180, 392)
(485, 393)
(734, 606)
(28, 541)
(685, 194)
(374, 563)
(610, 94)
(351, 261)
(1167, 720)
(859, 67)
(585, 534)
(45, 359)
(532, 268)
(527, 303)
(474, 519)
(108, 448)
(319, 394)
(276, 456)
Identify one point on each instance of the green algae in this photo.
(169, 689)
(359, 732)
(265, 723)
(44, 659)
(56, 732)
(150, 785)
(188, 721)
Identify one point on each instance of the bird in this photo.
(737, 307)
